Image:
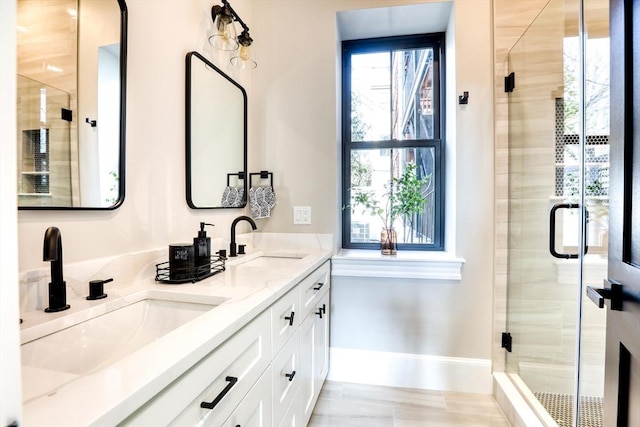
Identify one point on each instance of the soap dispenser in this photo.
(202, 251)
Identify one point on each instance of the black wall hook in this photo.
(93, 123)
(464, 98)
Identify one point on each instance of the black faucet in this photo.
(232, 246)
(52, 251)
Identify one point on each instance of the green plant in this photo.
(113, 191)
(402, 196)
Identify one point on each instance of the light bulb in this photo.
(244, 53)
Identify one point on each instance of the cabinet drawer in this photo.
(291, 418)
(286, 377)
(285, 318)
(225, 375)
(312, 288)
(255, 408)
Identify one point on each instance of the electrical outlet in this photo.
(302, 215)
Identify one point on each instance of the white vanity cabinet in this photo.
(267, 374)
(221, 379)
(301, 366)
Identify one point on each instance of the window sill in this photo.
(404, 265)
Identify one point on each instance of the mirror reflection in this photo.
(70, 106)
(216, 137)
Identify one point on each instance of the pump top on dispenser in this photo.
(202, 250)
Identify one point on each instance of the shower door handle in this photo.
(612, 291)
(552, 230)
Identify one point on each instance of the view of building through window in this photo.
(394, 123)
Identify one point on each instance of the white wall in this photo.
(295, 112)
(10, 385)
(103, 31)
(154, 212)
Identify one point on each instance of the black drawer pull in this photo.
(210, 405)
(291, 375)
(318, 286)
(290, 318)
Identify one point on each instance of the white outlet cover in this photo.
(302, 215)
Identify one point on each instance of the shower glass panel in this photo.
(558, 163)
(44, 148)
(596, 199)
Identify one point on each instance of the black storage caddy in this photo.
(189, 274)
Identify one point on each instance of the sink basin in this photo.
(89, 340)
(271, 261)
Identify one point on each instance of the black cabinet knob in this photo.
(290, 318)
(290, 376)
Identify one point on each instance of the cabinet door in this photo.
(321, 344)
(255, 408)
(285, 380)
(314, 346)
(285, 318)
(291, 418)
(313, 286)
(307, 385)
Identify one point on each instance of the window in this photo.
(393, 122)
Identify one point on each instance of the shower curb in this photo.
(513, 405)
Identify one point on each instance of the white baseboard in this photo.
(410, 370)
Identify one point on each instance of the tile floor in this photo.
(357, 405)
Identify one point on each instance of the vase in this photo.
(388, 241)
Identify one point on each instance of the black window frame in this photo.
(436, 41)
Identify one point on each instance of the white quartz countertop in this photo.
(108, 395)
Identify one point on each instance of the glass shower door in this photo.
(554, 170)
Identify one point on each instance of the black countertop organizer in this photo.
(176, 276)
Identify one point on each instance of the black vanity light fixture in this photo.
(225, 38)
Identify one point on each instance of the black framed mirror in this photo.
(71, 99)
(216, 137)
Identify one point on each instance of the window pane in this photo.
(413, 98)
(371, 173)
(370, 97)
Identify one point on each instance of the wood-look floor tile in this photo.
(358, 405)
(471, 403)
(334, 413)
(393, 396)
(403, 417)
(331, 390)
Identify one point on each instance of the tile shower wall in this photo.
(510, 19)
(49, 64)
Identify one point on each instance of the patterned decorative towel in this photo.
(262, 200)
(233, 197)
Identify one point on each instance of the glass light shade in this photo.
(224, 36)
(244, 59)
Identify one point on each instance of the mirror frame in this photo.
(188, 131)
(122, 146)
